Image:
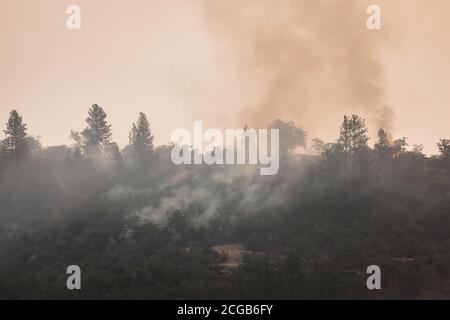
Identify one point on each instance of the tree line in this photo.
(97, 137)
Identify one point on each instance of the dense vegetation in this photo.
(141, 227)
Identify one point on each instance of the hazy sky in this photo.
(227, 63)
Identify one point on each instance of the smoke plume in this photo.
(308, 61)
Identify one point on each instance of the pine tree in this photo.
(15, 145)
(141, 138)
(353, 134)
(352, 141)
(382, 148)
(98, 132)
(383, 145)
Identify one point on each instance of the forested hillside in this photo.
(141, 227)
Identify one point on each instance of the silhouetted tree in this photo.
(444, 148)
(353, 134)
(141, 138)
(291, 136)
(352, 141)
(382, 149)
(34, 144)
(15, 145)
(383, 145)
(98, 132)
(318, 146)
(399, 146)
(417, 149)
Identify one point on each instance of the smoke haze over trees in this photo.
(305, 61)
(141, 227)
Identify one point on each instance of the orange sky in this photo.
(222, 62)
